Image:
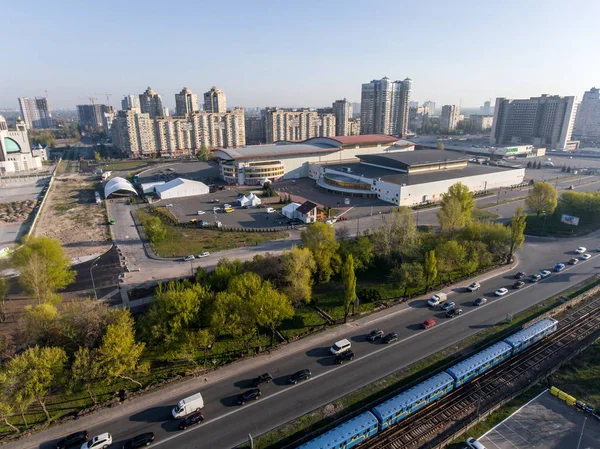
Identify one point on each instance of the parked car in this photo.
(453, 312)
(77, 438)
(188, 258)
(204, 254)
(428, 323)
(519, 284)
(343, 357)
(586, 256)
(535, 278)
(263, 379)
(501, 291)
(389, 338)
(574, 261)
(270, 210)
(474, 287)
(559, 267)
(480, 301)
(300, 376)
(201, 212)
(191, 420)
(520, 275)
(375, 334)
(101, 441)
(581, 250)
(448, 305)
(545, 273)
(145, 439)
(250, 395)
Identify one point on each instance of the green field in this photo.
(552, 226)
(482, 214)
(184, 240)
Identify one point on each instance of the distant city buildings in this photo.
(481, 122)
(186, 102)
(215, 100)
(36, 113)
(587, 122)
(130, 102)
(255, 129)
(151, 104)
(289, 125)
(95, 115)
(354, 127)
(486, 109)
(542, 121)
(449, 117)
(429, 107)
(342, 109)
(384, 107)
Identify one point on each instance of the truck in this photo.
(188, 405)
(437, 299)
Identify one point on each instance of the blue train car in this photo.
(399, 407)
(531, 334)
(479, 363)
(346, 435)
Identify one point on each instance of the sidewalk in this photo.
(251, 365)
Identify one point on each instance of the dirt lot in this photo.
(72, 216)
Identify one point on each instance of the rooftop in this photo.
(275, 150)
(413, 158)
(365, 139)
(306, 207)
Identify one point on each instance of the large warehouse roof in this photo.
(416, 158)
(181, 187)
(116, 184)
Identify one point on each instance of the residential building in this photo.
(354, 127)
(255, 129)
(416, 118)
(133, 133)
(429, 107)
(130, 102)
(326, 126)
(174, 136)
(15, 151)
(219, 130)
(342, 110)
(92, 115)
(587, 122)
(151, 104)
(36, 112)
(385, 106)
(486, 109)
(215, 100)
(186, 102)
(449, 117)
(542, 121)
(482, 122)
(290, 125)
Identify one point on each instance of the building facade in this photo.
(429, 107)
(326, 126)
(255, 129)
(482, 122)
(215, 101)
(384, 107)
(486, 109)
(354, 127)
(151, 104)
(587, 122)
(36, 112)
(186, 102)
(130, 102)
(290, 125)
(449, 117)
(542, 121)
(93, 115)
(15, 150)
(342, 109)
(133, 133)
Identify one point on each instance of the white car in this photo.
(586, 256)
(225, 206)
(501, 291)
(188, 258)
(204, 254)
(99, 442)
(545, 273)
(270, 210)
(201, 212)
(168, 205)
(581, 250)
(474, 287)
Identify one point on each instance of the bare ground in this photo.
(16, 211)
(72, 216)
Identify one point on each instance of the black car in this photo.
(535, 278)
(453, 312)
(344, 356)
(375, 334)
(145, 439)
(263, 379)
(249, 395)
(191, 419)
(77, 438)
(520, 275)
(392, 336)
(519, 284)
(300, 376)
(574, 261)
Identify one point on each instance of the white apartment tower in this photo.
(215, 100)
(133, 133)
(449, 117)
(186, 102)
(342, 109)
(287, 125)
(151, 104)
(587, 123)
(384, 107)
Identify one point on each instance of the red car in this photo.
(428, 323)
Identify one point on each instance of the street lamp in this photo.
(544, 224)
(94, 264)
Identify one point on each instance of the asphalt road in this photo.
(227, 424)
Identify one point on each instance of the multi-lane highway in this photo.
(228, 424)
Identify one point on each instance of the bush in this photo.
(368, 295)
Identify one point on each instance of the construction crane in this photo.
(92, 99)
(108, 99)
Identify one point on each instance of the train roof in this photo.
(529, 332)
(481, 358)
(342, 433)
(414, 394)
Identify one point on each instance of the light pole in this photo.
(94, 264)
(544, 224)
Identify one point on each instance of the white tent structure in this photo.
(243, 201)
(180, 187)
(289, 210)
(253, 199)
(119, 186)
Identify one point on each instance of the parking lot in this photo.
(546, 422)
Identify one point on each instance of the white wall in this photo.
(386, 191)
(183, 190)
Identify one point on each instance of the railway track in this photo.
(473, 397)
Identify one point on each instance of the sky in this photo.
(292, 54)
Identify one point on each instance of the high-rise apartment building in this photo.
(186, 102)
(215, 100)
(290, 125)
(545, 121)
(130, 102)
(93, 115)
(384, 107)
(151, 104)
(429, 107)
(219, 129)
(342, 109)
(449, 118)
(486, 109)
(354, 127)
(326, 126)
(255, 129)
(482, 122)
(36, 112)
(587, 122)
(133, 132)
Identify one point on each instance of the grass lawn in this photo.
(184, 240)
(126, 165)
(482, 214)
(579, 377)
(552, 226)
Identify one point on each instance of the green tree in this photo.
(3, 296)
(43, 267)
(349, 280)
(362, 250)
(6, 411)
(430, 268)
(529, 164)
(224, 272)
(119, 354)
(40, 325)
(451, 216)
(37, 371)
(451, 257)
(539, 165)
(319, 238)
(299, 267)
(97, 156)
(86, 371)
(463, 196)
(542, 198)
(397, 235)
(204, 154)
(517, 232)
(268, 190)
(155, 230)
(408, 275)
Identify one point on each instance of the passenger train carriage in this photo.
(528, 336)
(479, 363)
(346, 435)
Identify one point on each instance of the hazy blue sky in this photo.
(298, 53)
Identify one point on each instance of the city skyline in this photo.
(255, 68)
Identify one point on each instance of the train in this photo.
(362, 427)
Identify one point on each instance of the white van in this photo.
(474, 444)
(437, 299)
(188, 405)
(340, 346)
(270, 210)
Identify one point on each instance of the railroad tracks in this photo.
(470, 399)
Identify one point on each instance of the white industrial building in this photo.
(118, 186)
(180, 187)
(412, 178)
(289, 210)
